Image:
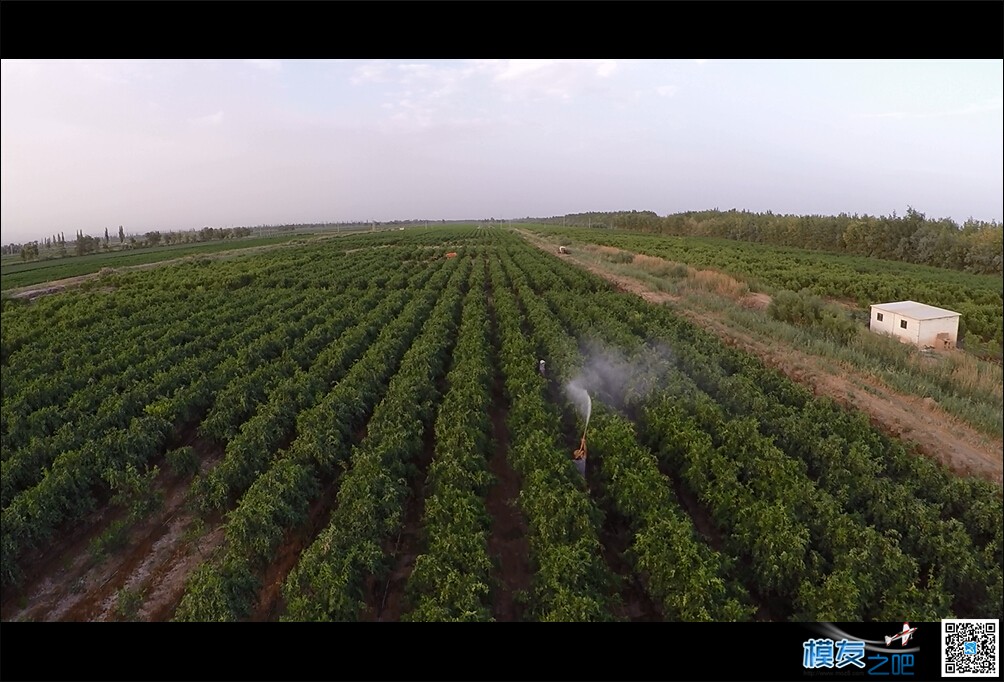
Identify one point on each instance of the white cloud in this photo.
(700, 61)
(374, 72)
(606, 67)
(420, 94)
(413, 113)
(886, 114)
(19, 68)
(994, 104)
(115, 71)
(666, 90)
(210, 120)
(432, 81)
(269, 65)
(417, 69)
(561, 78)
(424, 94)
(515, 69)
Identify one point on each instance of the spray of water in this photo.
(610, 376)
(615, 380)
(580, 398)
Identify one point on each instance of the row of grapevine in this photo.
(131, 434)
(898, 492)
(72, 484)
(571, 581)
(105, 398)
(225, 589)
(681, 573)
(97, 397)
(684, 576)
(328, 582)
(332, 316)
(65, 352)
(452, 578)
(248, 453)
(822, 532)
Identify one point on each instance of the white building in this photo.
(916, 323)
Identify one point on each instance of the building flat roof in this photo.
(914, 310)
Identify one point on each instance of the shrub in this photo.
(805, 309)
(183, 461)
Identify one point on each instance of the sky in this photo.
(181, 144)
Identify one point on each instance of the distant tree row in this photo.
(975, 246)
(644, 221)
(55, 247)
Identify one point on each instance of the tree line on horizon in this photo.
(976, 246)
(84, 244)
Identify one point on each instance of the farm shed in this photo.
(917, 323)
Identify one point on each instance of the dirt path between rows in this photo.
(68, 582)
(508, 540)
(918, 421)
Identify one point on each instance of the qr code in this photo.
(969, 648)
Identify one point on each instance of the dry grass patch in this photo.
(720, 283)
(975, 376)
(661, 267)
(756, 301)
(699, 280)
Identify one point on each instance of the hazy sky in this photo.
(186, 143)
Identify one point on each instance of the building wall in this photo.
(918, 332)
(929, 330)
(885, 326)
(912, 332)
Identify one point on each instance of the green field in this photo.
(357, 430)
(967, 385)
(16, 273)
(864, 281)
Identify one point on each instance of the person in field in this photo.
(580, 457)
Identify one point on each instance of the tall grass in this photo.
(658, 269)
(719, 283)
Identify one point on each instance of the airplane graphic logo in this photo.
(903, 636)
